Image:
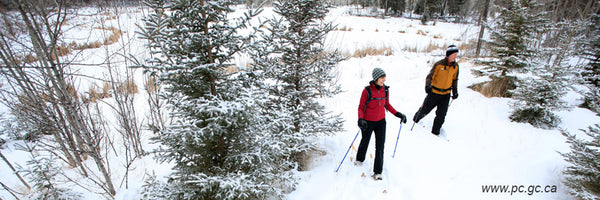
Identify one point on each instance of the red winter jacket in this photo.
(376, 109)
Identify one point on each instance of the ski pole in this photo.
(338, 168)
(398, 137)
(416, 114)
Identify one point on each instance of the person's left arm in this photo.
(455, 83)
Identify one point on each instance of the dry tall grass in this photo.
(371, 51)
(111, 39)
(114, 37)
(66, 49)
(343, 28)
(127, 87)
(497, 87)
(151, 86)
(59, 51)
(95, 93)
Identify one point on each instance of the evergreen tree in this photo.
(591, 73)
(394, 7)
(540, 94)
(536, 99)
(455, 6)
(583, 176)
(216, 143)
(299, 73)
(511, 39)
(42, 171)
(517, 48)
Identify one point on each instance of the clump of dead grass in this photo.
(127, 87)
(497, 87)
(96, 93)
(372, 51)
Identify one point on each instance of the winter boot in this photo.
(377, 177)
(358, 163)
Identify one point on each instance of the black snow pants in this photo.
(431, 101)
(379, 128)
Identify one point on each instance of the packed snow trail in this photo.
(482, 147)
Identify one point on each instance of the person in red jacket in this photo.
(371, 117)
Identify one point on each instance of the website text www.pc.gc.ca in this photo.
(513, 189)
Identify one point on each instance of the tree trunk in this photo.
(482, 21)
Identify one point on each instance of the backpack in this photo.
(370, 96)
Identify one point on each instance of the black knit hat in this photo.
(451, 49)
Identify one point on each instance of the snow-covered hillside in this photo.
(483, 149)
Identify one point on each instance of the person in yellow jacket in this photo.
(441, 81)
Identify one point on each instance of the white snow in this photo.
(484, 147)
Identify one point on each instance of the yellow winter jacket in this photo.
(443, 77)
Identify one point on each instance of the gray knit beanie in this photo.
(378, 72)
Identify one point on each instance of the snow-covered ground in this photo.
(484, 147)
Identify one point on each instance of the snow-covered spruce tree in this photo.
(511, 38)
(540, 94)
(518, 56)
(535, 100)
(508, 46)
(583, 176)
(591, 73)
(299, 73)
(42, 171)
(216, 142)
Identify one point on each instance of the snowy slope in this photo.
(485, 148)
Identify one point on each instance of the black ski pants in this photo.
(431, 101)
(379, 128)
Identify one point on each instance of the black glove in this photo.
(362, 124)
(428, 89)
(454, 95)
(401, 116)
